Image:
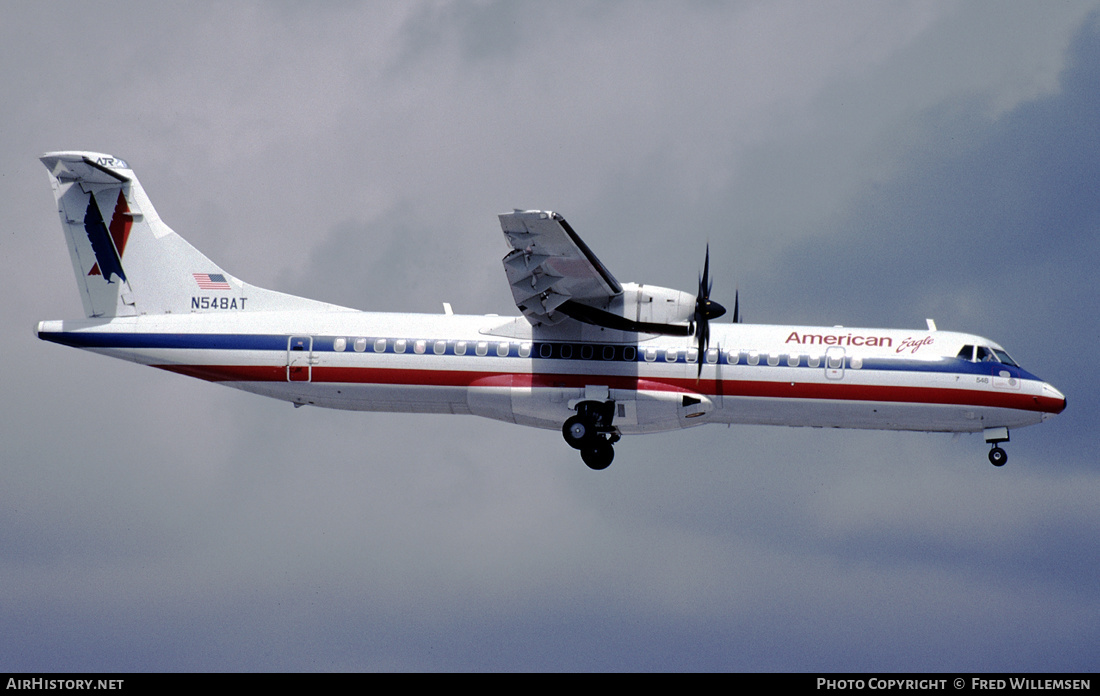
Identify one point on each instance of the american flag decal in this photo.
(211, 281)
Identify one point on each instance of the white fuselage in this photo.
(506, 369)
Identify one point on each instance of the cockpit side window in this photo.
(985, 355)
(967, 353)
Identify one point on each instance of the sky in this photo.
(854, 163)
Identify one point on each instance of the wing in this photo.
(549, 266)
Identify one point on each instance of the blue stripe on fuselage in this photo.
(278, 342)
(87, 339)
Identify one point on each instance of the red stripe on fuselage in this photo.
(735, 388)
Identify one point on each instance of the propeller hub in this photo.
(712, 310)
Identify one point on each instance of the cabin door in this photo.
(299, 358)
(834, 363)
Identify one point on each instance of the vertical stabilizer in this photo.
(127, 261)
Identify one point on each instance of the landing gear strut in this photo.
(591, 432)
(995, 436)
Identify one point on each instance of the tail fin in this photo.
(127, 261)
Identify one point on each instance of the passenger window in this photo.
(460, 348)
(440, 347)
(754, 358)
(630, 354)
(773, 359)
(733, 357)
(693, 355)
(339, 345)
(670, 355)
(482, 348)
(546, 350)
(566, 351)
(609, 352)
(360, 345)
(587, 352)
(399, 345)
(813, 361)
(419, 346)
(503, 348)
(794, 360)
(650, 354)
(856, 362)
(525, 350)
(379, 345)
(712, 356)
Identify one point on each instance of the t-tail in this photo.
(127, 261)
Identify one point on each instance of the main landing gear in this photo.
(995, 436)
(591, 432)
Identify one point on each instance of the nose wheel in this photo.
(997, 456)
(995, 436)
(591, 432)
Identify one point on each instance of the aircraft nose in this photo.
(1056, 398)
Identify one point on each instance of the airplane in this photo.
(589, 355)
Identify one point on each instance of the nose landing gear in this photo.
(995, 436)
(591, 432)
(997, 456)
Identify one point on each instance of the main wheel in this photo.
(997, 456)
(599, 455)
(578, 432)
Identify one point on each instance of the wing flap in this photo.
(550, 265)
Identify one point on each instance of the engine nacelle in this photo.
(652, 304)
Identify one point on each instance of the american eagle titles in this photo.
(839, 340)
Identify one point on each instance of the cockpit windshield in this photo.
(986, 354)
(1004, 357)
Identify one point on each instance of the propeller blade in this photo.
(704, 339)
(704, 281)
(705, 310)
